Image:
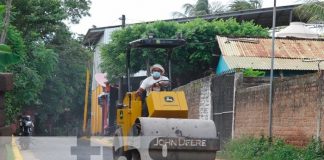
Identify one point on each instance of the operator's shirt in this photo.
(148, 83)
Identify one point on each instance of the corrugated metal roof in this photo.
(261, 47)
(265, 63)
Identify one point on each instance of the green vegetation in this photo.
(249, 148)
(250, 72)
(238, 5)
(311, 11)
(203, 7)
(49, 73)
(193, 60)
(6, 56)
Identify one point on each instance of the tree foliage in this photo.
(238, 5)
(6, 56)
(65, 89)
(202, 7)
(311, 11)
(41, 18)
(50, 74)
(190, 61)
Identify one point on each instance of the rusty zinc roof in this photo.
(261, 47)
(263, 63)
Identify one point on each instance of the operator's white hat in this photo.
(157, 66)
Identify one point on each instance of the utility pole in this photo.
(120, 90)
(272, 66)
(123, 19)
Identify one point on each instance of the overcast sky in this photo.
(106, 12)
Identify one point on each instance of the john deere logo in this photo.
(121, 114)
(168, 99)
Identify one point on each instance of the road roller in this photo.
(165, 133)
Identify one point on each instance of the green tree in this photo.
(311, 11)
(6, 56)
(190, 62)
(45, 48)
(238, 5)
(41, 18)
(6, 21)
(202, 7)
(64, 91)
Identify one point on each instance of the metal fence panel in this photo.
(222, 89)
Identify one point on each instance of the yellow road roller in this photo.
(166, 133)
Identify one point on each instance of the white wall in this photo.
(105, 39)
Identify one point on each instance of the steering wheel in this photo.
(166, 87)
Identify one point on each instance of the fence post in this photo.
(238, 79)
(320, 105)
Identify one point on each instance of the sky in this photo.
(107, 12)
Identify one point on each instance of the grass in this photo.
(249, 148)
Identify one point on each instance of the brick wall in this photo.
(295, 107)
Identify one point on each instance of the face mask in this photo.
(156, 74)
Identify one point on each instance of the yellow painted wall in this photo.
(96, 112)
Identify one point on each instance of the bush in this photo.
(314, 150)
(250, 148)
(246, 148)
(280, 150)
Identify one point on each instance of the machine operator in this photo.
(155, 81)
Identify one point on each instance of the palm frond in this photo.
(311, 12)
(178, 15)
(188, 8)
(256, 4)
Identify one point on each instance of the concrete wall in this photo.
(295, 109)
(198, 95)
(212, 98)
(105, 39)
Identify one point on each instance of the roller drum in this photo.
(174, 139)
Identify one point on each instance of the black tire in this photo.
(119, 153)
(136, 155)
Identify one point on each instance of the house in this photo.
(292, 56)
